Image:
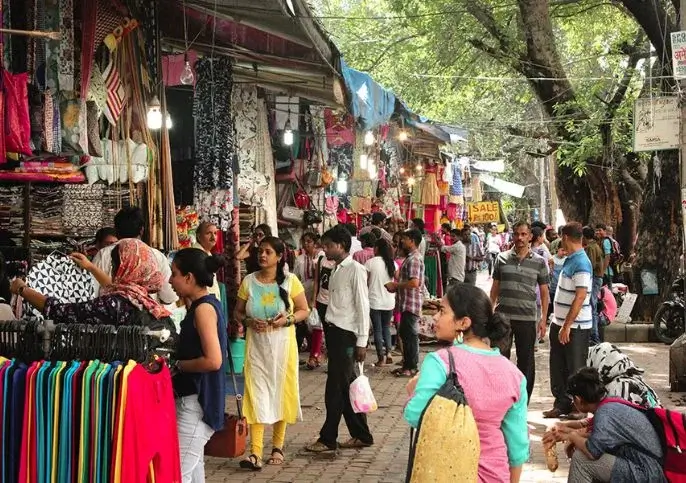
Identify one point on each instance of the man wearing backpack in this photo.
(612, 253)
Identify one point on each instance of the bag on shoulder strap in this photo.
(230, 442)
(670, 427)
(446, 419)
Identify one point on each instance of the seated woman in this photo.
(494, 388)
(621, 444)
(125, 298)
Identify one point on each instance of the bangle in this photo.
(290, 320)
(177, 366)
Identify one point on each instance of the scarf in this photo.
(137, 277)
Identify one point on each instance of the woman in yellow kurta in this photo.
(270, 303)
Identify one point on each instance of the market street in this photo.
(386, 460)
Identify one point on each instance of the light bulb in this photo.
(363, 161)
(410, 181)
(372, 171)
(418, 167)
(169, 122)
(402, 170)
(187, 78)
(288, 134)
(342, 186)
(154, 116)
(402, 136)
(369, 138)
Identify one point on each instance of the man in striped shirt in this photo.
(573, 321)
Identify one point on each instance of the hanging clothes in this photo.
(264, 163)
(430, 192)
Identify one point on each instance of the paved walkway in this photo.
(386, 460)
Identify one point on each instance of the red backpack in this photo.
(671, 429)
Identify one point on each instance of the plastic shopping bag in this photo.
(361, 395)
(313, 321)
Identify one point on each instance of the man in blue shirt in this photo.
(606, 245)
(570, 330)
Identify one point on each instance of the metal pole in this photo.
(541, 179)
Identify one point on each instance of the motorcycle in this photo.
(670, 321)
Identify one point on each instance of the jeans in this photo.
(492, 257)
(340, 345)
(193, 435)
(524, 335)
(408, 331)
(381, 321)
(565, 360)
(595, 292)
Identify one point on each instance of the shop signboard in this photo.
(679, 54)
(656, 123)
(483, 212)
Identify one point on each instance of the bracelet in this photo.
(290, 320)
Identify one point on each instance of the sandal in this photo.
(318, 447)
(405, 373)
(276, 460)
(353, 443)
(389, 360)
(312, 363)
(252, 462)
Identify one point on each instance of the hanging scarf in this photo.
(137, 277)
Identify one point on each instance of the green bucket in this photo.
(237, 350)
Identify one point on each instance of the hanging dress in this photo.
(272, 391)
(430, 192)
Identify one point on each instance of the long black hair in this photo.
(586, 384)
(467, 300)
(200, 264)
(279, 247)
(385, 251)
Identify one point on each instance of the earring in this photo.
(460, 337)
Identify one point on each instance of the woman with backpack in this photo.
(620, 444)
(494, 389)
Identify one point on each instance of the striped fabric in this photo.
(577, 272)
(115, 93)
(518, 280)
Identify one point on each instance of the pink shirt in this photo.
(364, 255)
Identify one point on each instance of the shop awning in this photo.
(512, 189)
(370, 104)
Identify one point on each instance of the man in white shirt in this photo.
(458, 257)
(355, 244)
(346, 330)
(129, 223)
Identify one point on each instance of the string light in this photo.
(418, 167)
(288, 134)
(342, 186)
(187, 76)
(402, 170)
(154, 116)
(410, 181)
(369, 138)
(402, 136)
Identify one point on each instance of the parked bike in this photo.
(669, 320)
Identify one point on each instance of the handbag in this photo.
(293, 214)
(230, 441)
(312, 217)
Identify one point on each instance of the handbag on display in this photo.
(230, 442)
(312, 217)
(293, 214)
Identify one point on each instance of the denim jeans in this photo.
(409, 334)
(193, 435)
(595, 292)
(381, 321)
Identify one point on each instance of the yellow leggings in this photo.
(257, 437)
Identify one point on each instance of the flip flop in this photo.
(252, 462)
(318, 447)
(353, 443)
(406, 373)
(276, 461)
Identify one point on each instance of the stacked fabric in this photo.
(50, 170)
(46, 210)
(82, 209)
(12, 211)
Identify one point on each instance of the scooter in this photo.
(670, 321)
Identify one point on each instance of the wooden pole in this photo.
(32, 33)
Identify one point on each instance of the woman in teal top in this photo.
(494, 388)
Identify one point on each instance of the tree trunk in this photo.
(659, 234)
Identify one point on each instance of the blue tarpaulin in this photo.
(370, 104)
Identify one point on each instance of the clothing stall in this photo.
(75, 399)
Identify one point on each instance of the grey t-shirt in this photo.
(627, 433)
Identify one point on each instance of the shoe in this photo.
(318, 447)
(574, 416)
(554, 413)
(354, 443)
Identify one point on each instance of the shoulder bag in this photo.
(230, 442)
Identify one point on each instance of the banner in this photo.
(656, 123)
(483, 212)
(679, 54)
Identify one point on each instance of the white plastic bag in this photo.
(313, 321)
(361, 395)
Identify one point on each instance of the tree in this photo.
(582, 64)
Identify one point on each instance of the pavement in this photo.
(386, 460)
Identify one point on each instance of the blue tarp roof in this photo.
(370, 104)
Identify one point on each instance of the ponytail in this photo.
(280, 279)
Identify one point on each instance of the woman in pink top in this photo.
(494, 388)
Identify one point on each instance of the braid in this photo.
(280, 278)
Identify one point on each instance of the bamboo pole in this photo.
(32, 33)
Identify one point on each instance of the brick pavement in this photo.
(386, 460)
